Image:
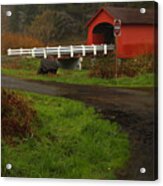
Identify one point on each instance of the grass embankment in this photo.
(27, 69)
(70, 141)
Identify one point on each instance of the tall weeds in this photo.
(17, 116)
(16, 40)
(105, 67)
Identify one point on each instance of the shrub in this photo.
(16, 40)
(136, 66)
(87, 63)
(17, 115)
(103, 67)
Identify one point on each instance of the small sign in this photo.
(117, 27)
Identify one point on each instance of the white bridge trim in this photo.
(61, 51)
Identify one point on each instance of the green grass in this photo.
(70, 141)
(27, 69)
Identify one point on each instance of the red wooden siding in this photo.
(135, 39)
(103, 17)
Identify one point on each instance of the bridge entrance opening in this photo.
(103, 34)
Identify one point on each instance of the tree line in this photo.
(55, 23)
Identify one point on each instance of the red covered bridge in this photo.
(138, 35)
(138, 30)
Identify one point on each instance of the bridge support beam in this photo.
(71, 63)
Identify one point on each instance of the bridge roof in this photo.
(128, 15)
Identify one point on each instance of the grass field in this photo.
(27, 69)
(70, 141)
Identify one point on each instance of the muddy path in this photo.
(133, 109)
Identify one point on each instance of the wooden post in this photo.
(105, 49)
(94, 50)
(59, 52)
(116, 59)
(71, 51)
(33, 52)
(117, 32)
(9, 52)
(21, 51)
(45, 54)
(83, 50)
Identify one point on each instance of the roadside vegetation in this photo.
(17, 116)
(104, 67)
(138, 74)
(65, 139)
